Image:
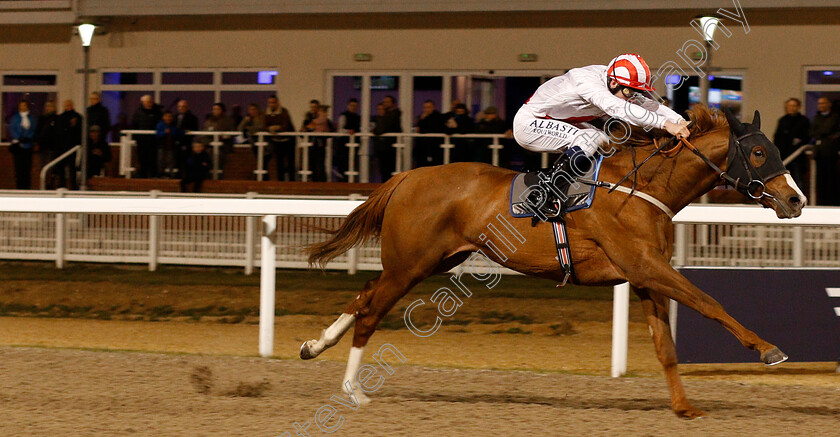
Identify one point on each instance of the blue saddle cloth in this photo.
(580, 195)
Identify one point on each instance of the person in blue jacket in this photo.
(23, 127)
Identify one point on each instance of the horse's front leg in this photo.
(656, 311)
(648, 270)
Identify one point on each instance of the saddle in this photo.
(571, 195)
(567, 196)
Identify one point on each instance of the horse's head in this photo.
(755, 164)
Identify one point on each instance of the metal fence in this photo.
(171, 239)
(234, 240)
(358, 157)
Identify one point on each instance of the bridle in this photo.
(735, 175)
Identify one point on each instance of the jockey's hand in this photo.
(679, 130)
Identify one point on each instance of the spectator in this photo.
(825, 129)
(168, 136)
(490, 123)
(427, 151)
(253, 123)
(318, 152)
(792, 132)
(98, 115)
(49, 136)
(219, 121)
(71, 127)
(147, 117)
(452, 107)
(461, 123)
(99, 152)
(310, 115)
(388, 118)
(278, 119)
(197, 168)
(236, 114)
(186, 121)
(350, 123)
(23, 127)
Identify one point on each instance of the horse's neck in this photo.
(677, 181)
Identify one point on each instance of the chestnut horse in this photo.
(431, 219)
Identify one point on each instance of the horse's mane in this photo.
(705, 120)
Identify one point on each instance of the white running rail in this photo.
(220, 230)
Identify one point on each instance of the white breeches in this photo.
(547, 135)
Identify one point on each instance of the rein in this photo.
(754, 185)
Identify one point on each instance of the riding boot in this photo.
(554, 181)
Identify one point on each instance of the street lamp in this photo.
(708, 25)
(86, 34)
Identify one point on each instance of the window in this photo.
(121, 90)
(725, 90)
(821, 82)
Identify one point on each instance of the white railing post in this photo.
(673, 306)
(261, 144)
(304, 162)
(154, 236)
(798, 246)
(408, 150)
(216, 144)
(494, 150)
(398, 156)
(812, 185)
(364, 160)
(353, 253)
(268, 265)
(681, 244)
(126, 146)
(250, 229)
(447, 149)
(621, 310)
(352, 147)
(60, 234)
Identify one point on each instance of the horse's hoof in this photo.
(306, 352)
(689, 413)
(773, 356)
(361, 397)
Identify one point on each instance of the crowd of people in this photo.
(52, 134)
(172, 153)
(794, 130)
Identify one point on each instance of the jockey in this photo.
(555, 118)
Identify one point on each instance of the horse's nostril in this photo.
(795, 200)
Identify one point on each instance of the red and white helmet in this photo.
(630, 70)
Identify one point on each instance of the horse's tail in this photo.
(364, 223)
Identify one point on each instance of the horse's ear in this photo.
(734, 123)
(757, 120)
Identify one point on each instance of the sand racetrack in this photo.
(173, 354)
(129, 393)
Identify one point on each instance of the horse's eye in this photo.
(759, 153)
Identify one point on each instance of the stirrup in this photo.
(551, 206)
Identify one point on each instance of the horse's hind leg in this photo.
(656, 311)
(390, 287)
(330, 336)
